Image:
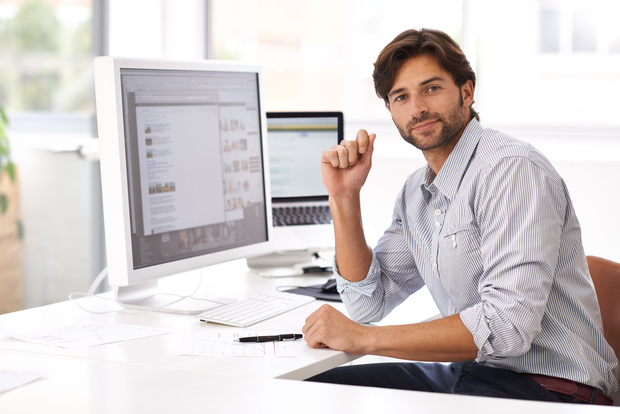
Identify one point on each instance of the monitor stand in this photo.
(285, 263)
(150, 297)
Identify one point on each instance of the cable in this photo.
(103, 275)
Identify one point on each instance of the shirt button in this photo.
(438, 212)
(434, 265)
(437, 224)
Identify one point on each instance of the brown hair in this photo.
(412, 43)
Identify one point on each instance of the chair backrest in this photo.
(606, 277)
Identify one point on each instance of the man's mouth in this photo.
(424, 126)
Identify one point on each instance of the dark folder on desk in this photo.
(316, 292)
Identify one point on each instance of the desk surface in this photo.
(72, 385)
(232, 280)
(148, 375)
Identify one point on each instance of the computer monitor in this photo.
(184, 171)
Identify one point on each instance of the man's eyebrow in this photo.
(395, 92)
(433, 79)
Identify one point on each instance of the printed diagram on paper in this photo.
(10, 379)
(223, 344)
(89, 334)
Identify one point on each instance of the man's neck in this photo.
(436, 157)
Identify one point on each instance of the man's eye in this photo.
(433, 88)
(400, 97)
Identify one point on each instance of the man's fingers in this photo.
(369, 150)
(343, 157)
(352, 151)
(362, 141)
(313, 334)
(371, 143)
(348, 153)
(311, 337)
(331, 156)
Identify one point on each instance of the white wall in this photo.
(61, 214)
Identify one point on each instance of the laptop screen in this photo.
(296, 141)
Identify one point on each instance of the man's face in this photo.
(427, 107)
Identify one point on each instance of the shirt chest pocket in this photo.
(459, 260)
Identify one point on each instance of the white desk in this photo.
(74, 385)
(147, 375)
(231, 280)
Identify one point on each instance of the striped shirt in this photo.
(495, 238)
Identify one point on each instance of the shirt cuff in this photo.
(364, 287)
(478, 324)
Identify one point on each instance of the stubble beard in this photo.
(452, 124)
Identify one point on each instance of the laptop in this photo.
(301, 215)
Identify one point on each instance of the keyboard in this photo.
(303, 215)
(255, 309)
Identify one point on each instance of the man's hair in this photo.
(412, 43)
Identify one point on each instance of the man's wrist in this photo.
(345, 203)
(371, 340)
(348, 197)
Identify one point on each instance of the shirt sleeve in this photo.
(520, 209)
(391, 279)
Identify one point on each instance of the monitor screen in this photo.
(296, 142)
(184, 167)
(194, 166)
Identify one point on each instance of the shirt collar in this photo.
(452, 171)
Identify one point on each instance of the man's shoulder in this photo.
(496, 147)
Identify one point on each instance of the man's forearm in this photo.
(353, 256)
(442, 340)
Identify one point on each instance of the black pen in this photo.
(270, 338)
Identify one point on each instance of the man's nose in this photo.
(417, 107)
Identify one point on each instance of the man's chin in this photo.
(421, 143)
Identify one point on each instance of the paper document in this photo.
(223, 344)
(90, 334)
(10, 379)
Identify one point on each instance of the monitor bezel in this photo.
(116, 207)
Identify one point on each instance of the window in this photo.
(584, 31)
(45, 64)
(575, 26)
(550, 31)
(318, 55)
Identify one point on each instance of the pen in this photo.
(270, 338)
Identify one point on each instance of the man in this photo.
(487, 226)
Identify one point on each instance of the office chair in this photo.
(606, 277)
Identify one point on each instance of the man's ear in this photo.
(387, 105)
(467, 91)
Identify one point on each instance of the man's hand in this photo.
(329, 328)
(345, 167)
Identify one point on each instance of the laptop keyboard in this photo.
(297, 216)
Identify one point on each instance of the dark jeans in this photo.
(465, 378)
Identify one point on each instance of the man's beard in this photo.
(453, 123)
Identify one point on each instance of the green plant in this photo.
(6, 165)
